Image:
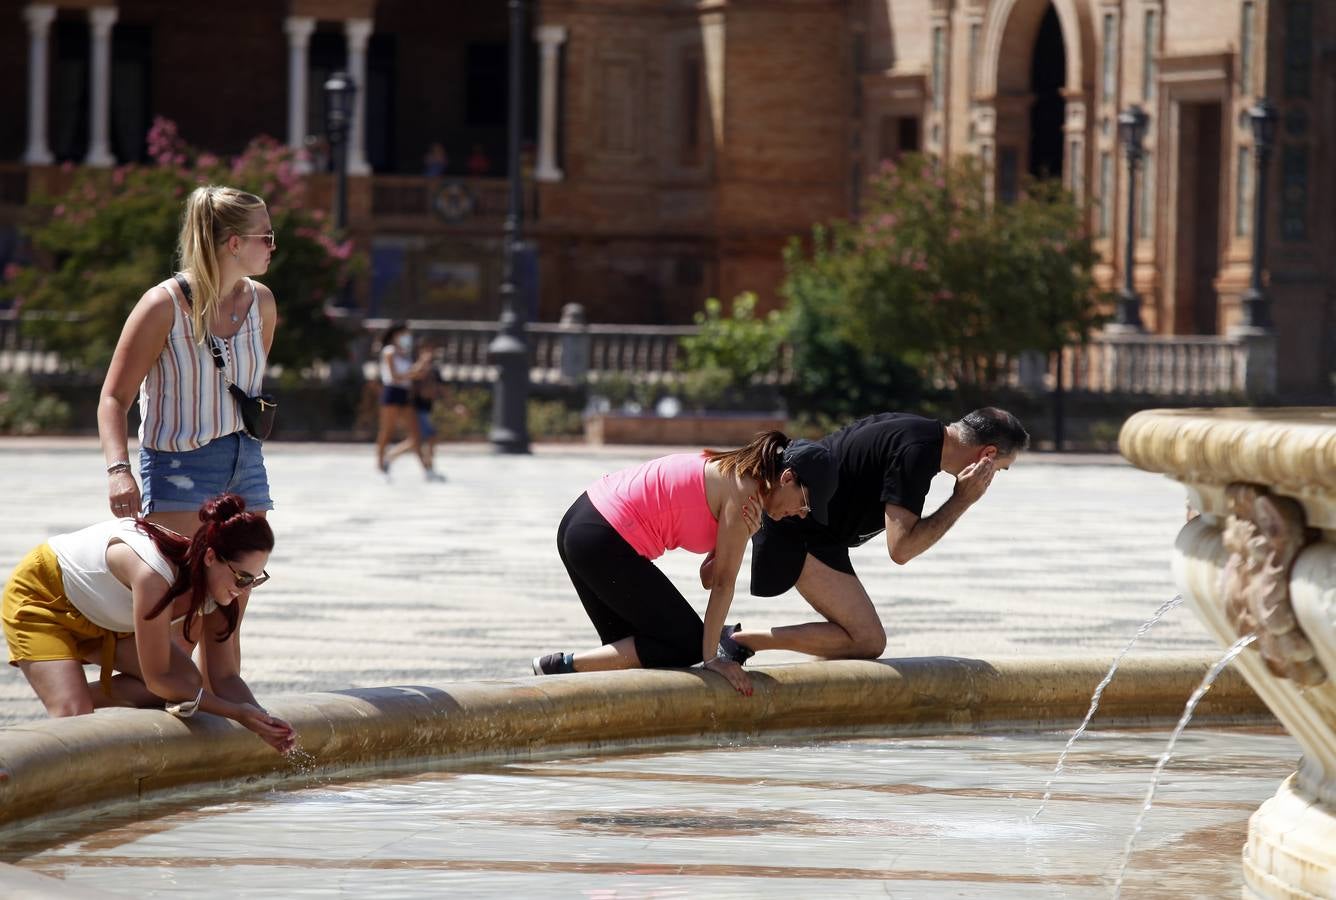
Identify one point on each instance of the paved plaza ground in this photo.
(409, 582)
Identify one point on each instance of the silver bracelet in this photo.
(116, 467)
(184, 709)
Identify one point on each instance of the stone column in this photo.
(550, 38)
(39, 16)
(299, 30)
(358, 32)
(101, 19)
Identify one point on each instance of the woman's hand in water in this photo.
(271, 729)
(733, 672)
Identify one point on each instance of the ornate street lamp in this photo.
(1132, 129)
(339, 94)
(508, 350)
(1256, 306)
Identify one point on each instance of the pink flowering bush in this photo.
(112, 235)
(935, 275)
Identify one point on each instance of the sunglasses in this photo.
(246, 579)
(270, 239)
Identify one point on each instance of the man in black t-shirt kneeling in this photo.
(886, 463)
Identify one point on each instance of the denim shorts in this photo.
(174, 482)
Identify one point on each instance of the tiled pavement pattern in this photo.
(409, 582)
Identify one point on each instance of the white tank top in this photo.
(394, 368)
(183, 401)
(89, 585)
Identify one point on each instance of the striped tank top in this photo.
(183, 401)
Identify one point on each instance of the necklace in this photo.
(236, 296)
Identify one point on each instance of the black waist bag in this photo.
(258, 412)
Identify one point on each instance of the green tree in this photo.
(732, 354)
(112, 235)
(935, 275)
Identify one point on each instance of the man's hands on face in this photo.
(974, 479)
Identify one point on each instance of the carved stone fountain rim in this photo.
(1292, 450)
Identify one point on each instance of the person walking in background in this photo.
(398, 370)
(425, 391)
(113, 593)
(192, 441)
(708, 502)
(886, 463)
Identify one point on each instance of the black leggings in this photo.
(624, 594)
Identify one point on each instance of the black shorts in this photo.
(393, 395)
(780, 549)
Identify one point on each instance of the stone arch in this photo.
(1009, 22)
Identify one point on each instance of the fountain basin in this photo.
(55, 775)
(1260, 558)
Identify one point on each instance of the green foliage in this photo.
(936, 276)
(725, 360)
(550, 419)
(740, 343)
(25, 410)
(112, 235)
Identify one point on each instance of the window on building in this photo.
(1294, 193)
(1110, 57)
(1106, 197)
(1243, 199)
(1298, 47)
(1076, 166)
(693, 107)
(69, 100)
(131, 91)
(1152, 46)
(1246, 47)
(1146, 215)
(975, 29)
(485, 76)
(938, 65)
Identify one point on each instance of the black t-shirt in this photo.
(886, 458)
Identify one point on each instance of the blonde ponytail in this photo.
(212, 215)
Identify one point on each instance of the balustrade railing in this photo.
(1161, 366)
(1180, 366)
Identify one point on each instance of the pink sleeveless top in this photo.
(659, 506)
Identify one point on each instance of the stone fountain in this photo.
(1258, 556)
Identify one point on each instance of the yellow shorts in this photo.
(40, 622)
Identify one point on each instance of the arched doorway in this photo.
(1048, 73)
(1034, 78)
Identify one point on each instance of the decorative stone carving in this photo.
(1263, 535)
(1261, 558)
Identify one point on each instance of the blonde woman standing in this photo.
(192, 442)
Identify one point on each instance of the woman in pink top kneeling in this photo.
(708, 502)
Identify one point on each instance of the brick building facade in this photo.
(673, 146)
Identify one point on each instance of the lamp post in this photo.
(1132, 129)
(339, 93)
(1256, 306)
(508, 350)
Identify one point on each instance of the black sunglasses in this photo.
(246, 579)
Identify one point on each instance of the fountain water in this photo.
(1235, 649)
(1171, 603)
